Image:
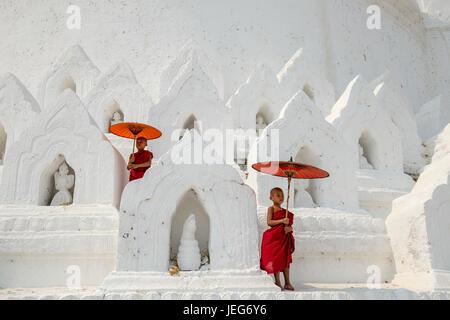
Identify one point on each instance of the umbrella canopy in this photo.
(290, 169)
(134, 130)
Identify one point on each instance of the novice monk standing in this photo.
(140, 161)
(278, 242)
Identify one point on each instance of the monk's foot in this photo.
(288, 286)
(279, 284)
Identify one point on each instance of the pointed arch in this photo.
(309, 92)
(307, 156)
(73, 70)
(263, 118)
(147, 212)
(117, 90)
(192, 93)
(64, 129)
(47, 181)
(18, 111)
(190, 123)
(361, 120)
(369, 148)
(302, 126)
(68, 83)
(108, 115)
(187, 204)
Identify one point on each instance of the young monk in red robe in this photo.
(140, 161)
(278, 242)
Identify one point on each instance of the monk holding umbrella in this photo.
(140, 161)
(278, 243)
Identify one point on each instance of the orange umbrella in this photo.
(290, 169)
(134, 130)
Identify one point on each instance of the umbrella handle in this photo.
(134, 143)
(287, 202)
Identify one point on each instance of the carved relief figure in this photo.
(63, 182)
(117, 118)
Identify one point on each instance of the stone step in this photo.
(330, 219)
(306, 292)
(58, 219)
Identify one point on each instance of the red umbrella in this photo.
(134, 130)
(290, 169)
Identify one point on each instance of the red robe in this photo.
(140, 157)
(277, 246)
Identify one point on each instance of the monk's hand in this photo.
(131, 157)
(285, 220)
(287, 229)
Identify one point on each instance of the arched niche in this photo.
(302, 195)
(3, 138)
(108, 115)
(264, 113)
(149, 205)
(309, 92)
(47, 188)
(362, 121)
(369, 151)
(298, 126)
(190, 123)
(68, 83)
(310, 186)
(189, 204)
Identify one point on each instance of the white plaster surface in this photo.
(430, 118)
(303, 134)
(154, 33)
(334, 245)
(146, 212)
(308, 291)
(166, 63)
(191, 95)
(357, 115)
(363, 122)
(74, 70)
(117, 90)
(390, 95)
(419, 223)
(18, 108)
(65, 129)
(39, 244)
(442, 145)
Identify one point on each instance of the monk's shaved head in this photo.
(275, 189)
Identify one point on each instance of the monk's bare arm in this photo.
(272, 222)
(144, 164)
(130, 162)
(130, 165)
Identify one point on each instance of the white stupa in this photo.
(189, 252)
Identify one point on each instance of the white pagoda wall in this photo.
(154, 39)
(237, 35)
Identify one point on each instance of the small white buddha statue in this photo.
(363, 163)
(260, 124)
(117, 118)
(63, 182)
(188, 256)
(302, 198)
